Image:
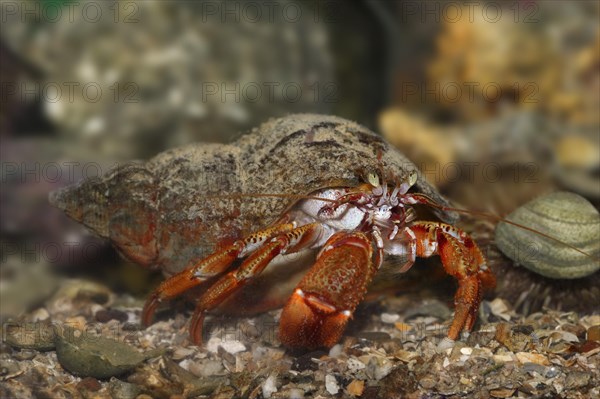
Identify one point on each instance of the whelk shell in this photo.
(565, 216)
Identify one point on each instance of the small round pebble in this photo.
(331, 384)
(335, 351)
(296, 393)
(269, 387)
(593, 333)
(229, 346)
(89, 384)
(389, 318)
(356, 387)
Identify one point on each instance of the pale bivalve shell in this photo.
(565, 216)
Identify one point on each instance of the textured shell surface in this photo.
(565, 216)
(175, 207)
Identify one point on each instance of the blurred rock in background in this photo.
(517, 83)
(156, 74)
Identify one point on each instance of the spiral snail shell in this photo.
(564, 216)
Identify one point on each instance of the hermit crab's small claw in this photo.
(445, 344)
(323, 302)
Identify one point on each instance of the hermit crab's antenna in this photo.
(268, 195)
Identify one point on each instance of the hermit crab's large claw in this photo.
(323, 302)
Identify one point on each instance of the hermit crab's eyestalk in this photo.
(373, 179)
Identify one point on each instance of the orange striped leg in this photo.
(211, 266)
(463, 260)
(317, 313)
(290, 242)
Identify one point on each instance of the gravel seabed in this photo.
(393, 348)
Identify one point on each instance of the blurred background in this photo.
(497, 102)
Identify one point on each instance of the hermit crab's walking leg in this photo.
(211, 266)
(463, 260)
(290, 242)
(317, 313)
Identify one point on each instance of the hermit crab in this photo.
(306, 211)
